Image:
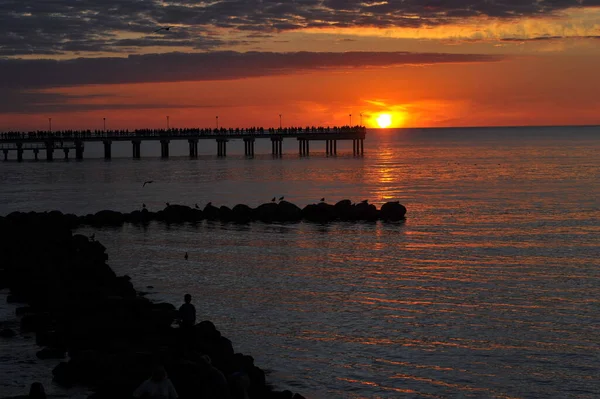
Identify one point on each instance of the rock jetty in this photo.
(103, 333)
(280, 212)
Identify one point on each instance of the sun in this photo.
(384, 120)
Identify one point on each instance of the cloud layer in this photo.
(180, 67)
(62, 26)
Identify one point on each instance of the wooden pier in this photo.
(51, 141)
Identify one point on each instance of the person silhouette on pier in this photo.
(187, 313)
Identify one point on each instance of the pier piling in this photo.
(107, 149)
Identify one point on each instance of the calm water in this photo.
(489, 289)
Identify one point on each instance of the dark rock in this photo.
(225, 214)
(393, 211)
(51, 353)
(7, 333)
(108, 218)
(320, 213)
(242, 213)
(288, 212)
(211, 212)
(266, 212)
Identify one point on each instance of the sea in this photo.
(489, 289)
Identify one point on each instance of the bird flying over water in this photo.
(147, 182)
(163, 28)
(281, 198)
(185, 256)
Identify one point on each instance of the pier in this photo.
(66, 141)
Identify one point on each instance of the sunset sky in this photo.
(426, 63)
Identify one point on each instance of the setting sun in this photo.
(384, 120)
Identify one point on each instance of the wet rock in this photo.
(225, 214)
(288, 212)
(393, 211)
(108, 218)
(266, 212)
(211, 212)
(320, 213)
(242, 213)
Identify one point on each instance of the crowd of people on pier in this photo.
(175, 132)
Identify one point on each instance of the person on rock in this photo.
(158, 386)
(187, 312)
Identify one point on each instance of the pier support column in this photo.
(36, 151)
(49, 150)
(307, 147)
(249, 147)
(136, 146)
(222, 147)
(334, 147)
(193, 143)
(362, 146)
(328, 147)
(164, 148)
(66, 150)
(277, 146)
(300, 148)
(107, 149)
(20, 152)
(79, 150)
(5, 155)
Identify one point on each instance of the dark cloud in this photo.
(58, 26)
(34, 102)
(178, 67)
(27, 84)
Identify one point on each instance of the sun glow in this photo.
(384, 120)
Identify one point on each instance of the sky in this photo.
(411, 63)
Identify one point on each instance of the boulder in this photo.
(266, 212)
(108, 218)
(393, 211)
(211, 212)
(320, 213)
(241, 213)
(288, 212)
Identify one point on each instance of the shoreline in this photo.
(80, 310)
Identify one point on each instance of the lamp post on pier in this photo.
(217, 117)
(361, 119)
(167, 122)
(350, 120)
(50, 124)
(104, 123)
(280, 122)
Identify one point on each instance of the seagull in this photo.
(147, 182)
(273, 199)
(167, 204)
(209, 204)
(93, 237)
(281, 198)
(163, 28)
(144, 206)
(323, 199)
(364, 201)
(185, 256)
(196, 206)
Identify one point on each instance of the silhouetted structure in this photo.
(67, 140)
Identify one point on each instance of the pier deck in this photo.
(49, 141)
